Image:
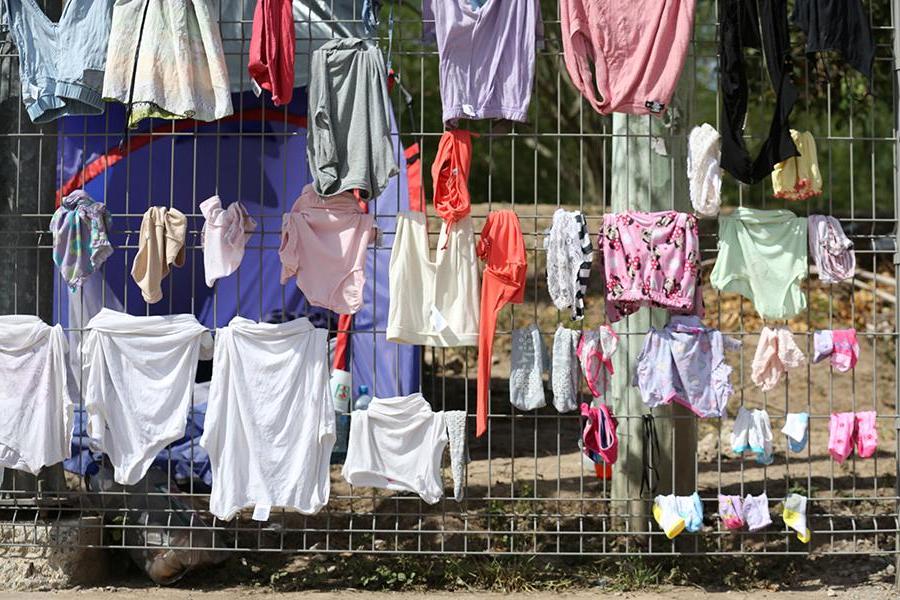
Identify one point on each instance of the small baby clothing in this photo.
(685, 363)
(629, 53)
(397, 444)
(595, 350)
(847, 429)
(332, 232)
(38, 409)
(433, 303)
(831, 249)
(459, 456)
(160, 247)
(61, 64)
(181, 71)
(752, 511)
(569, 256)
(270, 423)
(794, 515)
(564, 371)
(528, 362)
(651, 259)
(753, 432)
(675, 514)
(762, 256)
(775, 354)
(348, 143)
(138, 375)
(80, 229)
(796, 428)
(272, 49)
(841, 345)
(487, 54)
(224, 236)
(450, 172)
(502, 248)
(731, 512)
(599, 437)
(703, 170)
(798, 177)
(756, 512)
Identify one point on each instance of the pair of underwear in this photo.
(595, 350)
(798, 177)
(753, 432)
(703, 170)
(675, 514)
(775, 354)
(599, 441)
(840, 345)
(763, 257)
(848, 429)
(831, 249)
(529, 361)
(796, 429)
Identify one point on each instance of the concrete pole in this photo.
(27, 186)
(649, 174)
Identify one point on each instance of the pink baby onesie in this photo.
(650, 259)
(637, 49)
(323, 243)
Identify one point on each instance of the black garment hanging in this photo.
(759, 24)
(837, 25)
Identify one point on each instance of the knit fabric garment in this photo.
(80, 237)
(798, 177)
(569, 256)
(703, 170)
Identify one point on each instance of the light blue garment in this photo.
(690, 508)
(61, 64)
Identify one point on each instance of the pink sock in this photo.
(866, 434)
(840, 436)
(846, 349)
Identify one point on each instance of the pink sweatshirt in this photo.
(637, 48)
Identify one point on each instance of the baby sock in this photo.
(840, 435)
(731, 511)
(760, 437)
(866, 434)
(795, 428)
(756, 512)
(691, 510)
(665, 511)
(823, 345)
(741, 431)
(846, 350)
(794, 516)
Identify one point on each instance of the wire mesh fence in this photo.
(528, 488)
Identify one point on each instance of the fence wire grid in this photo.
(528, 489)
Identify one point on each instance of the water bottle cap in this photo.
(363, 390)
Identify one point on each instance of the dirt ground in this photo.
(671, 593)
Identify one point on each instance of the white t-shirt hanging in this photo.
(397, 444)
(138, 378)
(269, 424)
(36, 428)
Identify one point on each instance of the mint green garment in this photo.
(762, 256)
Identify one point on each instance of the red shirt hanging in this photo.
(272, 49)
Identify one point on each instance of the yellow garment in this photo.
(794, 515)
(666, 514)
(161, 245)
(798, 177)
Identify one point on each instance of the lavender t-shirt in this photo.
(487, 56)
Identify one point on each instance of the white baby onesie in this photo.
(138, 377)
(36, 428)
(269, 424)
(397, 444)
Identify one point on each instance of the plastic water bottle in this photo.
(363, 400)
(340, 396)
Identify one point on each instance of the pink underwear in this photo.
(323, 243)
(599, 436)
(595, 350)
